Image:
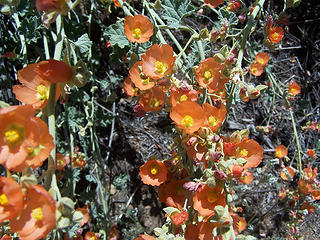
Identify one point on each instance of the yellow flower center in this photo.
(212, 197)
(37, 214)
(187, 121)
(3, 200)
(136, 33)
(161, 67)
(183, 98)
(154, 103)
(154, 169)
(254, 70)
(14, 135)
(145, 81)
(42, 92)
(207, 75)
(292, 90)
(244, 152)
(275, 35)
(261, 61)
(136, 90)
(278, 153)
(60, 162)
(212, 121)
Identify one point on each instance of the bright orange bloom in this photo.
(116, 3)
(250, 150)
(310, 174)
(287, 173)
(153, 173)
(91, 236)
(140, 81)
(311, 153)
(129, 88)
(178, 218)
(305, 187)
(114, 233)
(152, 99)
(61, 161)
(206, 199)
(197, 153)
(6, 237)
(85, 214)
(79, 160)
(237, 171)
(242, 224)
(281, 151)
(208, 71)
(262, 58)
(158, 61)
(294, 88)
(256, 69)
(214, 116)
(52, 5)
(282, 193)
(35, 90)
(37, 155)
(18, 132)
(213, 3)
(173, 194)
(178, 95)
(11, 199)
(145, 237)
(315, 194)
(275, 34)
(188, 116)
(138, 28)
(38, 217)
(54, 71)
(247, 177)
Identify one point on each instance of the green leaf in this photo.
(83, 43)
(291, 3)
(227, 15)
(30, 28)
(116, 36)
(176, 11)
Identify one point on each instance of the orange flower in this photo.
(141, 82)
(152, 99)
(188, 116)
(11, 199)
(18, 132)
(214, 116)
(6, 237)
(145, 237)
(281, 151)
(213, 3)
(275, 34)
(308, 206)
(315, 194)
(38, 217)
(35, 90)
(311, 153)
(52, 5)
(310, 174)
(173, 193)
(178, 218)
(91, 236)
(158, 61)
(262, 58)
(85, 214)
(256, 69)
(206, 199)
(153, 173)
(250, 150)
(61, 161)
(287, 173)
(114, 233)
(37, 155)
(247, 177)
(54, 71)
(294, 88)
(116, 3)
(208, 71)
(305, 187)
(138, 28)
(178, 95)
(79, 160)
(129, 88)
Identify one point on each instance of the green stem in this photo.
(22, 39)
(245, 36)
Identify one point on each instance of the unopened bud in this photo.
(215, 156)
(220, 175)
